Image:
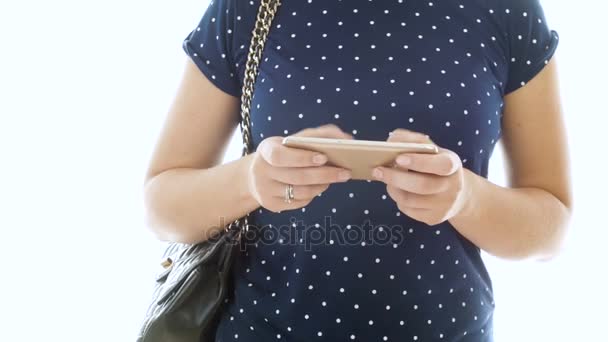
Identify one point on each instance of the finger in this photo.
(412, 200)
(310, 175)
(405, 135)
(302, 195)
(294, 204)
(276, 154)
(405, 199)
(276, 204)
(443, 163)
(426, 216)
(419, 183)
(325, 131)
(300, 192)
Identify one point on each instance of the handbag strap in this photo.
(265, 15)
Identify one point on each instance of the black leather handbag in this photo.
(190, 290)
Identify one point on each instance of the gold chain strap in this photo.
(266, 13)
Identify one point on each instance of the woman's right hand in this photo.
(274, 166)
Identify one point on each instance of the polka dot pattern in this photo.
(350, 266)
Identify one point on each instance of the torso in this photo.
(434, 69)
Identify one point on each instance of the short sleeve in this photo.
(532, 42)
(210, 46)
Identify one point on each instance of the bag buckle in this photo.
(166, 263)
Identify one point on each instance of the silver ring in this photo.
(289, 193)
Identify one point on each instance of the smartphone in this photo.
(359, 156)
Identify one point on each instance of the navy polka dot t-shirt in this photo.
(350, 266)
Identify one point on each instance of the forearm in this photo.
(188, 205)
(513, 223)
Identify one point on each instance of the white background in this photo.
(84, 88)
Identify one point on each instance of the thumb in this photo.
(325, 131)
(406, 135)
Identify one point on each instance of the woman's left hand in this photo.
(438, 189)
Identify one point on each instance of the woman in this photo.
(397, 257)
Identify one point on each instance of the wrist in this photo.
(246, 191)
(470, 189)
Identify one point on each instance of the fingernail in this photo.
(377, 173)
(344, 175)
(319, 159)
(404, 160)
